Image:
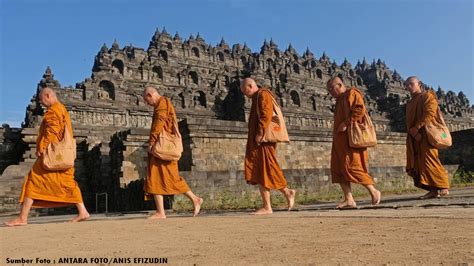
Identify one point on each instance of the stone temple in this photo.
(111, 121)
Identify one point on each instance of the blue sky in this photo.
(432, 39)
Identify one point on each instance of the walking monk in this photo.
(163, 176)
(49, 189)
(422, 158)
(261, 165)
(348, 165)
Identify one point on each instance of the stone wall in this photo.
(214, 151)
(212, 161)
(220, 146)
(462, 151)
(11, 146)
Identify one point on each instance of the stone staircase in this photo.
(11, 180)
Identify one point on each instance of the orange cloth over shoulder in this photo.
(163, 176)
(261, 165)
(47, 188)
(348, 164)
(423, 163)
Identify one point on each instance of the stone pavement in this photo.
(458, 198)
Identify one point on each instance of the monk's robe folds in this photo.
(162, 176)
(348, 164)
(47, 188)
(423, 163)
(261, 165)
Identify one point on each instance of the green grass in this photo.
(463, 177)
(227, 200)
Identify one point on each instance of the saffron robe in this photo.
(162, 176)
(50, 189)
(348, 164)
(261, 166)
(423, 163)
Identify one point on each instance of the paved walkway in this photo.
(459, 197)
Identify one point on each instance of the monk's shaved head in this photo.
(151, 95)
(412, 78)
(248, 87)
(333, 80)
(335, 86)
(413, 85)
(47, 97)
(150, 89)
(246, 81)
(47, 91)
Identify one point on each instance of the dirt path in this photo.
(379, 236)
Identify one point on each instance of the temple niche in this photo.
(106, 90)
(202, 80)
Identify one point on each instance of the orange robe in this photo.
(348, 164)
(162, 176)
(47, 188)
(423, 163)
(261, 165)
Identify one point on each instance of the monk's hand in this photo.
(342, 127)
(418, 137)
(413, 131)
(39, 154)
(258, 139)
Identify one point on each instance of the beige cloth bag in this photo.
(276, 130)
(438, 133)
(169, 147)
(60, 156)
(361, 135)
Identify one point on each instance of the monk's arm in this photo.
(431, 105)
(357, 108)
(159, 117)
(52, 131)
(265, 107)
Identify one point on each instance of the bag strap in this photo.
(63, 118)
(173, 116)
(348, 111)
(439, 119)
(273, 100)
(439, 116)
(258, 110)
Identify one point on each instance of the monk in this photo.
(163, 176)
(49, 189)
(261, 165)
(423, 164)
(348, 165)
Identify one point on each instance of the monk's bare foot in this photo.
(16, 222)
(443, 192)
(376, 197)
(262, 211)
(346, 205)
(157, 216)
(80, 218)
(197, 206)
(430, 195)
(291, 198)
